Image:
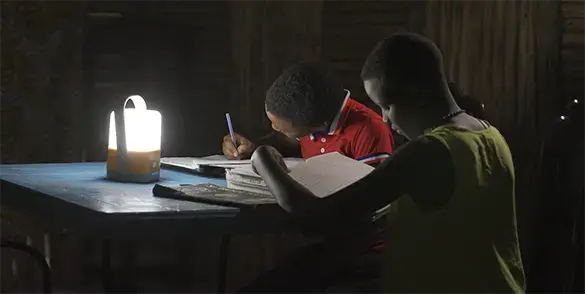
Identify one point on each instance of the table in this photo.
(77, 197)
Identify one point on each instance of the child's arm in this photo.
(422, 169)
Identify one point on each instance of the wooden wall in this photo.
(351, 29)
(507, 54)
(41, 80)
(572, 50)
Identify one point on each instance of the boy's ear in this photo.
(386, 90)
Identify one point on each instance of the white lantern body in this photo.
(140, 161)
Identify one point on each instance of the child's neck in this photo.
(434, 113)
(324, 129)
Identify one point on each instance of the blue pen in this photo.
(229, 122)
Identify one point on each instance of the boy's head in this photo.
(304, 99)
(404, 76)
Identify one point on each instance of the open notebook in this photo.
(323, 175)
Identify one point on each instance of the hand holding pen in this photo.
(234, 145)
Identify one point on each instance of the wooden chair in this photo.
(38, 257)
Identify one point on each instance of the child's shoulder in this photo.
(422, 152)
(360, 116)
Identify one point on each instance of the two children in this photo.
(452, 185)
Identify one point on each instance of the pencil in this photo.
(230, 127)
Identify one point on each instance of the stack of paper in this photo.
(195, 162)
(323, 175)
(215, 161)
(244, 177)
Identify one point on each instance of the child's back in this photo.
(470, 243)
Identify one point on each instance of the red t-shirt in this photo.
(356, 132)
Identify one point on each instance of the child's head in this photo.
(404, 76)
(304, 99)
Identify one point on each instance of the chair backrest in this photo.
(557, 264)
(36, 256)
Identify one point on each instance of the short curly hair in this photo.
(306, 94)
(408, 63)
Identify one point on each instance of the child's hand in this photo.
(244, 150)
(266, 155)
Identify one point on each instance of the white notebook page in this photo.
(329, 173)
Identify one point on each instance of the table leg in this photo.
(110, 280)
(106, 266)
(47, 248)
(223, 263)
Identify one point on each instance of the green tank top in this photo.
(469, 244)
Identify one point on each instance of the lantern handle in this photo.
(120, 121)
(139, 103)
(121, 148)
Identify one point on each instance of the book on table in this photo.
(323, 174)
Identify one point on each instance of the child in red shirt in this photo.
(308, 103)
